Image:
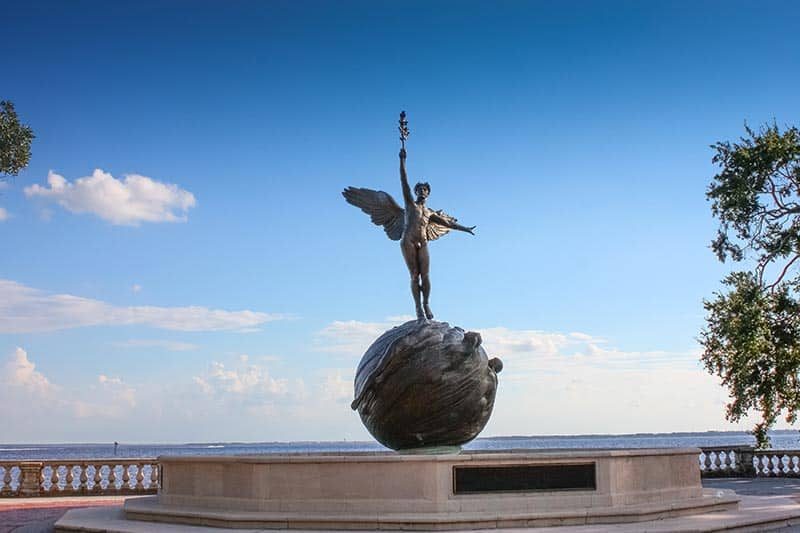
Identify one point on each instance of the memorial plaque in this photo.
(523, 478)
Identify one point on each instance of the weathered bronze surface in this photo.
(413, 226)
(425, 384)
(422, 386)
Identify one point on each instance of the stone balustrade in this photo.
(80, 477)
(746, 461)
(727, 462)
(141, 475)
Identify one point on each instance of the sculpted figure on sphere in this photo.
(414, 226)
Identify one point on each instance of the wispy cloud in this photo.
(119, 397)
(336, 387)
(172, 346)
(129, 201)
(353, 337)
(4, 215)
(24, 310)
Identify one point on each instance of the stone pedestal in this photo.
(29, 483)
(429, 492)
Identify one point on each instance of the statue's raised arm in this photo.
(407, 196)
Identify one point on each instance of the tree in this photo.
(15, 141)
(752, 334)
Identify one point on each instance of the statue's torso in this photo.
(416, 220)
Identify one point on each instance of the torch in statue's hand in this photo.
(404, 133)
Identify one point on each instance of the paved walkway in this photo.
(758, 486)
(37, 515)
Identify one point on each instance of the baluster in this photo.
(112, 477)
(139, 477)
(734, 461)
(126, 478)
(702, 460)
(97, 485)
(775, 469)
(68, 486)
(154, 476)
(785, 464)
(765, 465)
(795, 461)
(83, 480)
(54, 479)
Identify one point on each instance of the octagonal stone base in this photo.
(391, 491)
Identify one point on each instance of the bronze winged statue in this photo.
(413, 226)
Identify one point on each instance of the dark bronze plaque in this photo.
(522, 478)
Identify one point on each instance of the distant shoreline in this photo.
(710, 433)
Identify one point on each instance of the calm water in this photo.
(785, 440)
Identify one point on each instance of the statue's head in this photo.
(422, 190)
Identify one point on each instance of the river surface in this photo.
(781, 440)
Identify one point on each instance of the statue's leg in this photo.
(424, 264)
(410, 253)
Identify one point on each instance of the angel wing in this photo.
(381, 208)
(433, 230)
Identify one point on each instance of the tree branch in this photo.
(783, 272)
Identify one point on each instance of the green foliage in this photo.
(752, 342)
(752, 335)
(15, 141)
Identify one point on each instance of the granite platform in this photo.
(466, 491)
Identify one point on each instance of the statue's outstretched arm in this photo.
(409, 199)
(436, 219)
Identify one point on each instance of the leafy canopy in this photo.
(752, 335)
(15, 141)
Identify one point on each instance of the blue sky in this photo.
(229, 292)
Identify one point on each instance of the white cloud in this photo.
(4, 215)
(524, 341)
(247, 388)
(30, 399)
(118, 400)
(246, 379)
(172, 346)
(351, 337)
(118, 389)
(24, 309)
(135, 288)
(336, 388)
(130, 201)
(19, 371)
